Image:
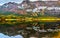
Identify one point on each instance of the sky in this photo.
(6, 1)
(6, 36)
(33, 0)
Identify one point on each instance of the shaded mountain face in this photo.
(11, 7)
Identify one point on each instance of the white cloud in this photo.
(44, 0)
(49, 0)
(33, 0)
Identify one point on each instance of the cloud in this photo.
(6, 36)
(33, 0)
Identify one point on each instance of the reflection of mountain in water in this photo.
(6, 36)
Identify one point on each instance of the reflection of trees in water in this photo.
(22, 29)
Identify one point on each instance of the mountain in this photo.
(11, 7)
(25, 6)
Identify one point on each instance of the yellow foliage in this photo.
(58, 36)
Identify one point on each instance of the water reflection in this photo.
(6, 36)
(27, 30)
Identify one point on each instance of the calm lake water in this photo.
(6, 36)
